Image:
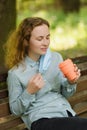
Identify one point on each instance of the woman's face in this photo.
(39, 41)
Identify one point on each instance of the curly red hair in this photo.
(16, 47)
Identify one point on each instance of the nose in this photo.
(46, 42)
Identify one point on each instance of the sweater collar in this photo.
(31, 62)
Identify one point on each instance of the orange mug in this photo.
(67, 67)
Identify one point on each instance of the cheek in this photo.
(34, 46)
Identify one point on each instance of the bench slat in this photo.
(78, 97)
(81, 86)
(10, 124)
(3, 77)
(82, 66)
(7, 118)
(80, 59)
(84, 72)
(19, 127)
(83, 115)
(4, 109)
(80, 108)
(3, 93)
(16, 123)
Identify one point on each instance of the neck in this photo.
(34, 57)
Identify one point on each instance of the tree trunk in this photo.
(7, 24)
(70, 5)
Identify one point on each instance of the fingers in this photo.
(36, 77)
(77, 70)
(37, 80)
(78, 73)
(35, 84)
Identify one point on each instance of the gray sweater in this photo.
(50, 101)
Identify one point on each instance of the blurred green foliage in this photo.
(68, 31)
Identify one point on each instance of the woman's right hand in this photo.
(35, 83)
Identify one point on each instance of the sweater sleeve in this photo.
(67, 89)
(19, 99)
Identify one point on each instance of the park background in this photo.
(68, 20)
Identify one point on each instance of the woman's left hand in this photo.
(78, 74)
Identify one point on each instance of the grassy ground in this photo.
(68, 31)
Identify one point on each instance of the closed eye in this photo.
(39, 38)
(48, 36)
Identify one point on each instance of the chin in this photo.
(43, 53)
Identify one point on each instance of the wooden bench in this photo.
(78, 100)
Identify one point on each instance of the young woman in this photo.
(38, 90)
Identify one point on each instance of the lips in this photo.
(44, 49)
